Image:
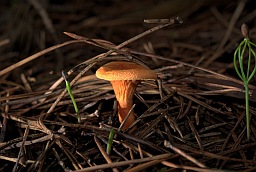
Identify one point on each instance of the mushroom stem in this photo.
(124, 90)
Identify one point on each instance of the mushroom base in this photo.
(124, 91)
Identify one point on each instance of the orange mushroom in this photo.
(125, 77)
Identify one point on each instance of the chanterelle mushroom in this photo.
(125, 77)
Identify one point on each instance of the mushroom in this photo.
(125, 77)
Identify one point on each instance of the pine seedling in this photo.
(245, 72)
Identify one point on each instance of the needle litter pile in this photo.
(190, 115)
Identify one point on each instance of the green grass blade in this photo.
(68, 87)
(110, 141)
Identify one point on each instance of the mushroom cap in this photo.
(124, 70)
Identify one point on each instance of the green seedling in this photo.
(71, 96)
(110, 141)
(245, 48)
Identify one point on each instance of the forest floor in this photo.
(192, 118)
